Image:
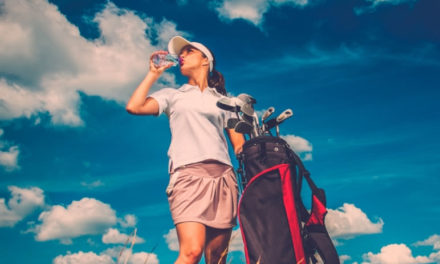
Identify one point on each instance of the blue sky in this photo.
(78, 174)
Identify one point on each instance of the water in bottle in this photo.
(160, 59)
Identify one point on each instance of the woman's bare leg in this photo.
(216, 246)
(191, 242)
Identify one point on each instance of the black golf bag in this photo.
(276, 226)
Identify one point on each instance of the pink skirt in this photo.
(204, 192)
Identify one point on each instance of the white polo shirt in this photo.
(196, 123)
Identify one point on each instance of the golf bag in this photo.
(276, 226)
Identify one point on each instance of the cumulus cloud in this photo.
(394, 253)
(344, 258)
(22, 203)
(128, 221)
(45, 61)
(349, 221)
(300, 145)
(85, 217)
(83, 258)
(113, 236)
(122, 254)
(142, 258)
(172, 240)
(433, 241)
(8, 154)
(9, 158)
(251, 10)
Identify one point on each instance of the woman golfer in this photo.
(202, 192)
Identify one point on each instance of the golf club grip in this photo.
(284, 115)
(268, 112)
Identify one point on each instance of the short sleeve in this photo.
(163, 98)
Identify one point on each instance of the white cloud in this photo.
(433, 241)
(22, 203)
(8, 154)
(128, 221)
(84, 217)
(9, 158)
(344, 258)
(300, 145)
(17, 101)
(348, 221)
(172, 240)
(393, 254)
(121, 254)
(83, 258)
(46, 62)
(251, 10)
(113, 236)
(142, 258)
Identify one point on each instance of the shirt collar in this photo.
(188, 87)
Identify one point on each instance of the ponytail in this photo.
(216, 80)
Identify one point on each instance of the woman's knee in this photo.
(192, 254)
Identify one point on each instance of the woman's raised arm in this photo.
(139, 103)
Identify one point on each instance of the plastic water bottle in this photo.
(164, 59)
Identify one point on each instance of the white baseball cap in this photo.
(177, 43)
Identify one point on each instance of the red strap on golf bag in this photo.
(318, 212)
(292, 214)
(289, 207)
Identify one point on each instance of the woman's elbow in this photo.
(131, 109)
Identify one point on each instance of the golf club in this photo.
(244, 127)
(267, 113)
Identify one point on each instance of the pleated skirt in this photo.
(204, 192)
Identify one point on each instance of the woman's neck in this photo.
(200, 80)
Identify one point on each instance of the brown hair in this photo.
(215, 78)
(217, 81)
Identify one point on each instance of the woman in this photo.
(202, 192)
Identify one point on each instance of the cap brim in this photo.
(176, 44)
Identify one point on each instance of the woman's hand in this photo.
(140, 103)
(158, 70)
